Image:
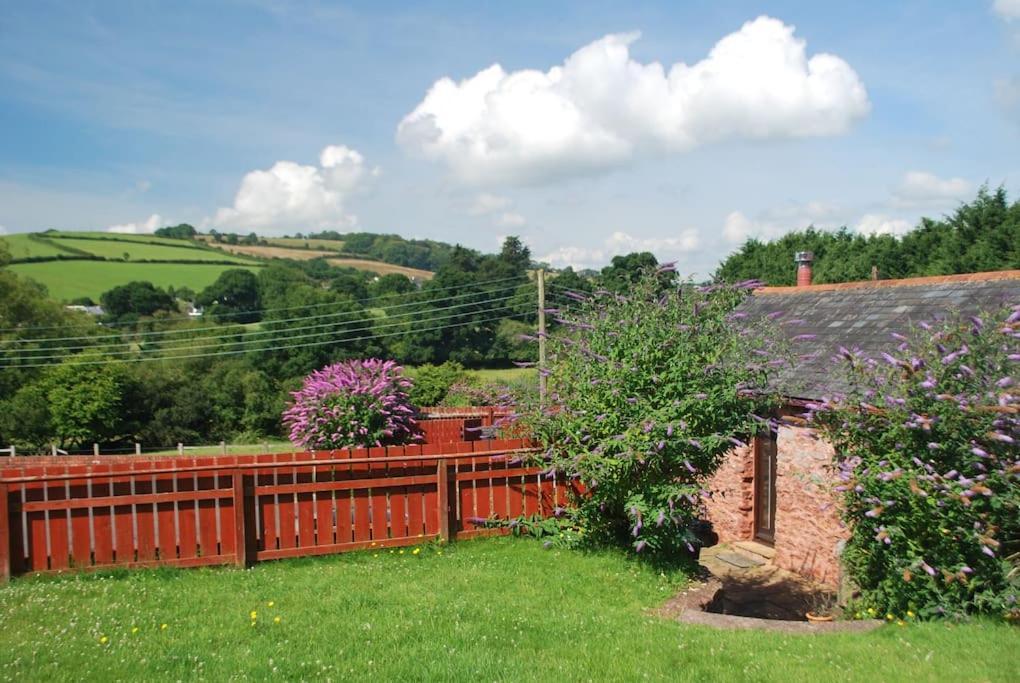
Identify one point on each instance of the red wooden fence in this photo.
(82, 513)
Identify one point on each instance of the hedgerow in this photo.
(928, 462)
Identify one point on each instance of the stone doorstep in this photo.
(763, 551)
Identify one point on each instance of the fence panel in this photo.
(235, 509)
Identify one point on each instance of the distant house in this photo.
(91, 310)
(778, 490)
(194, 311)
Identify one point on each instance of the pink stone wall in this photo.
(809, 534)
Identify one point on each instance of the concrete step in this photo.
(765, 552)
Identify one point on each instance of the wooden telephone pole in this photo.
(540, 277)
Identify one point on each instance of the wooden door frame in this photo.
(758, 533)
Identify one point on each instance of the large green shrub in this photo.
(649, 391)
(432, 382)
(927, 438)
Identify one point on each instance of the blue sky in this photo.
(295, 116)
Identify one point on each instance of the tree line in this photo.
(981, 235)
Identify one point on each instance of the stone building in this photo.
(778, 491)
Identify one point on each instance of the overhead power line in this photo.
(286, 308)
(191, 330)
(284, 334)
(255, 333)
(276, 348)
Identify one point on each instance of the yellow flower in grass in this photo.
(889, 617)
(910, 614)
(162, 627)
(254, 615)
(871, 611)
(900, 622)
(439, 552)
(416, 551)
(134, 629)
(103, 640)
(270, 603)
(276, 620)
(401, 552)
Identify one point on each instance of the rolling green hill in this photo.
(68, 280)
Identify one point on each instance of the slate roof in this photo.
(864, 314)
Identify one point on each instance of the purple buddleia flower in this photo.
(639, 546)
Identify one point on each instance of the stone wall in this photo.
(809, 533)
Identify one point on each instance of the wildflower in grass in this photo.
(162, 627)
(277, 620)
(416, 551)
(253, 614)
(134, 629)
(401, 551)
(103, 640)
(270, 603)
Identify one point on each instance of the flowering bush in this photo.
(927, 438)
(648, 392)
(353, 403)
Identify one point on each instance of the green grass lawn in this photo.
(67, 280)
(506, 375)
(495, 609)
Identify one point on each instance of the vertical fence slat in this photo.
(5, 535)
(267, 507)
(187, 540)
(57, 521)
(285, 504)
(145, 518)
(102, 518)
(166, 519)
(81, 543)
(305, 507)
(325, 520)
(423, 515)
(207, 516)
(123, 516)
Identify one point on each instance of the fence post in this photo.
(223, 447)
(240, 535)
(12, 451)
(180, 448)
(53, 449)
(138, 448)
(443, 485)
(95, 449)
(5, 537)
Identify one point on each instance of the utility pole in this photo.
(540, 276)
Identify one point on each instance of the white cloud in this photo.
(486, 203)
(601, 109)
(1007, 95)
(289, 195)
(510, 218)
(664, 248)
(498, 208)
(920, 188)
(1007, 9)
(146, 227)
(776, 221)
(880, 224)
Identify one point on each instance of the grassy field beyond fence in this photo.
(494, 609)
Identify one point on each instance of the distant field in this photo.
(23, 246)
(115, 249)
(381, 268)
(117, 237)
(68, 280)
(295, 243)
(271, 252)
